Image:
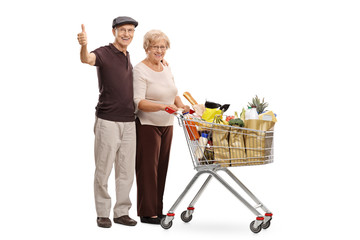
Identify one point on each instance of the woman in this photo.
(154, 90)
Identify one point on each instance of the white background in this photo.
(302, 56)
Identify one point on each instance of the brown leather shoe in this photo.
(103, 222)
(125, 220)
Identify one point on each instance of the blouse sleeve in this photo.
(139, 87)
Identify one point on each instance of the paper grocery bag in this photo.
(204, 126)
(258, 143)
(220, 136)
(237, 147)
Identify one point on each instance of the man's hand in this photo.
(164, 62)
(82, 38)
(85, 56)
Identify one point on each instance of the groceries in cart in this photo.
(217, 137)
(217, 141)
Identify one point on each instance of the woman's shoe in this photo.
(150, 220)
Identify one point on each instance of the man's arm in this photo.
(85, 56)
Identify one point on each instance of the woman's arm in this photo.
(180, 104)
(148, 106)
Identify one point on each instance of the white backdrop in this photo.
(302, 56)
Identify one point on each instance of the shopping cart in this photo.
(216, 147)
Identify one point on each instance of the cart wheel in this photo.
(165, 226)
(184, 218)
(266, 225)
(253, 229)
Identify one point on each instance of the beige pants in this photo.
(115, 144)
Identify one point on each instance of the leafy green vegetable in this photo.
(237, 122)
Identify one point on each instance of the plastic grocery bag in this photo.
(259, 143)
(199, 109)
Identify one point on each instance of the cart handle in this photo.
(172, 111)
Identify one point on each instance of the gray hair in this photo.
(154, 35)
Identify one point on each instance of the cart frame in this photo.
(262, 221)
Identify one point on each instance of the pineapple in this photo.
(260, 106)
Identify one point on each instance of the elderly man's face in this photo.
(124, 34)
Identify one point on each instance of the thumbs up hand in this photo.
(82, 38)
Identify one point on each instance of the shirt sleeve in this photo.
(139, 87)
(98, 54)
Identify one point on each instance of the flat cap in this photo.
(123, 20)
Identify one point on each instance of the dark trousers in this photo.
(152, 157)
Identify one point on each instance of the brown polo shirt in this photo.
(115, 77)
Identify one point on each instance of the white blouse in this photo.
(157, 87)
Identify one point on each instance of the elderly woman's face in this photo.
(157, 50)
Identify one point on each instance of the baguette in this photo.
(188, 96)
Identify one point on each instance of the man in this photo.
(115, 137)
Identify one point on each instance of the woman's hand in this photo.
(172, 106)
(186, 109)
